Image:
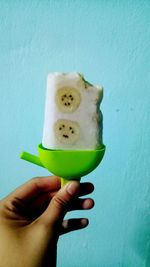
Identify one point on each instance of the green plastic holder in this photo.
(68, 164)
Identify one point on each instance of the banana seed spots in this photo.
(72, 130)
(60, 128)
(68, 99)
(66, 131)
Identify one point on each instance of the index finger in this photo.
(34, 187)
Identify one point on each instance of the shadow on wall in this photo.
(141, 238)
(147, 264)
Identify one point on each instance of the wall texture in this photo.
(109, 42)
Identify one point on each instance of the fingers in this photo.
(66, 199)
(82, 204)
(86, 188)
(73, 224)
(33, 198)
(40, 202)
(35, 187)
(60, 203)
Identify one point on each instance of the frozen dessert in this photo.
(72, 120)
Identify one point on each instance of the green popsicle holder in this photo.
(67, 164)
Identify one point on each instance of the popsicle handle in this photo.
(31, 158)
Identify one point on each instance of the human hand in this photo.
(32, 219)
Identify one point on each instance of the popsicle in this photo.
(73, 119)
(72, 143)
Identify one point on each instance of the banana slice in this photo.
(68, 99)
(66, 131)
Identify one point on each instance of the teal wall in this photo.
(109, 42)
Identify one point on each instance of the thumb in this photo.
(58, 206)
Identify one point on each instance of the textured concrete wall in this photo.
(109, 42)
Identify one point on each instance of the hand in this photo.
(32, 219)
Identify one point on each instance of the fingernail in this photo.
(84, 222)
(73, 188)
(88, 203)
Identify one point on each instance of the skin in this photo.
(32, 219)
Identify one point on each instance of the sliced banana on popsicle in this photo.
(66, 131)
(73, 120)
(68, 99)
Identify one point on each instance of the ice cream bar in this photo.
(72, 143)
(73, 120)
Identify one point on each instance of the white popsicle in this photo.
(73, 120)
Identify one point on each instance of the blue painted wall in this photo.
(109, 42)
